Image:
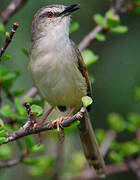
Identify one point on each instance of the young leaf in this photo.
(3, 133)
(2, 29)
(25, 51)
(3, 140)
(5, 152)
(89, 57)
(100, 20)
(130, 147)
(100, 135)
(115, 157)
(20, 108)
(136, 10)
(18, 92)
(137, 93)
(6, 111)
(100, 37)
(119, 30)
(37, 148)
(30, 142)
(1, 125)
(87, 101)
(74, 27)
(5, 57)
(116, 122)
(7, 34)
(112, 19)
(37, 110)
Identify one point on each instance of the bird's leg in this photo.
(59, 121)
(44, 117)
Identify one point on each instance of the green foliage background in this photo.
(116, 73)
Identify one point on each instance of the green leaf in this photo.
(74, 27)
(115, 157)
(116, 122)
(100, 37)
(7, 34)
(130, 147)
(5, 57)
(18, 92)
(1, 125)
(25, 51)
(3, 133)
(87, 101)
(30, 161)
(100, 135)
(36, 171)
(20, 108)
(89, 57)
(112, 19)
(37, 148)
(119, 30)
(2, 28)
(30, 142)
(100, 20)
(37, 110)
(9, 79)
(134, 119)
(137, 93)
(133, 122)
(6, 111)
(5, 152)
(136, 10)
(3, 140)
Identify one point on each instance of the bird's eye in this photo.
(50, 14)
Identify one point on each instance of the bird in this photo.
(60, 74)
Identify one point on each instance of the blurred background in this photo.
(116, 74)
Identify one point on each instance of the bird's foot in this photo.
(58, 124)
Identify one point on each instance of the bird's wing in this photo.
(83, 69)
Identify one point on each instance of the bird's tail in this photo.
(90, 146)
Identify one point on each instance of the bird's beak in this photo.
(69, 9)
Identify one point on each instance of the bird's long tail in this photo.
(90, 146)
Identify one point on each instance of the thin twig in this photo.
(8, 39)
(14, 161)
(105, 145)
(11, 9)
(134, 166)
(24, 131)
(30, 93)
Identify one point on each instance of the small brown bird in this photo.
(60, 74)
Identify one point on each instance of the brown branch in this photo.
(134, 166)
(11, 9)
(14, 161)
(25, 131)
(112, 169)
(8, 39)
(105, 145)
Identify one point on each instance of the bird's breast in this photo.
(58, 79)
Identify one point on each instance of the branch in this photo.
(8, 39)
(14, 161)
(89, 174)
(11, 9)
(105, 145)
(25, 131)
